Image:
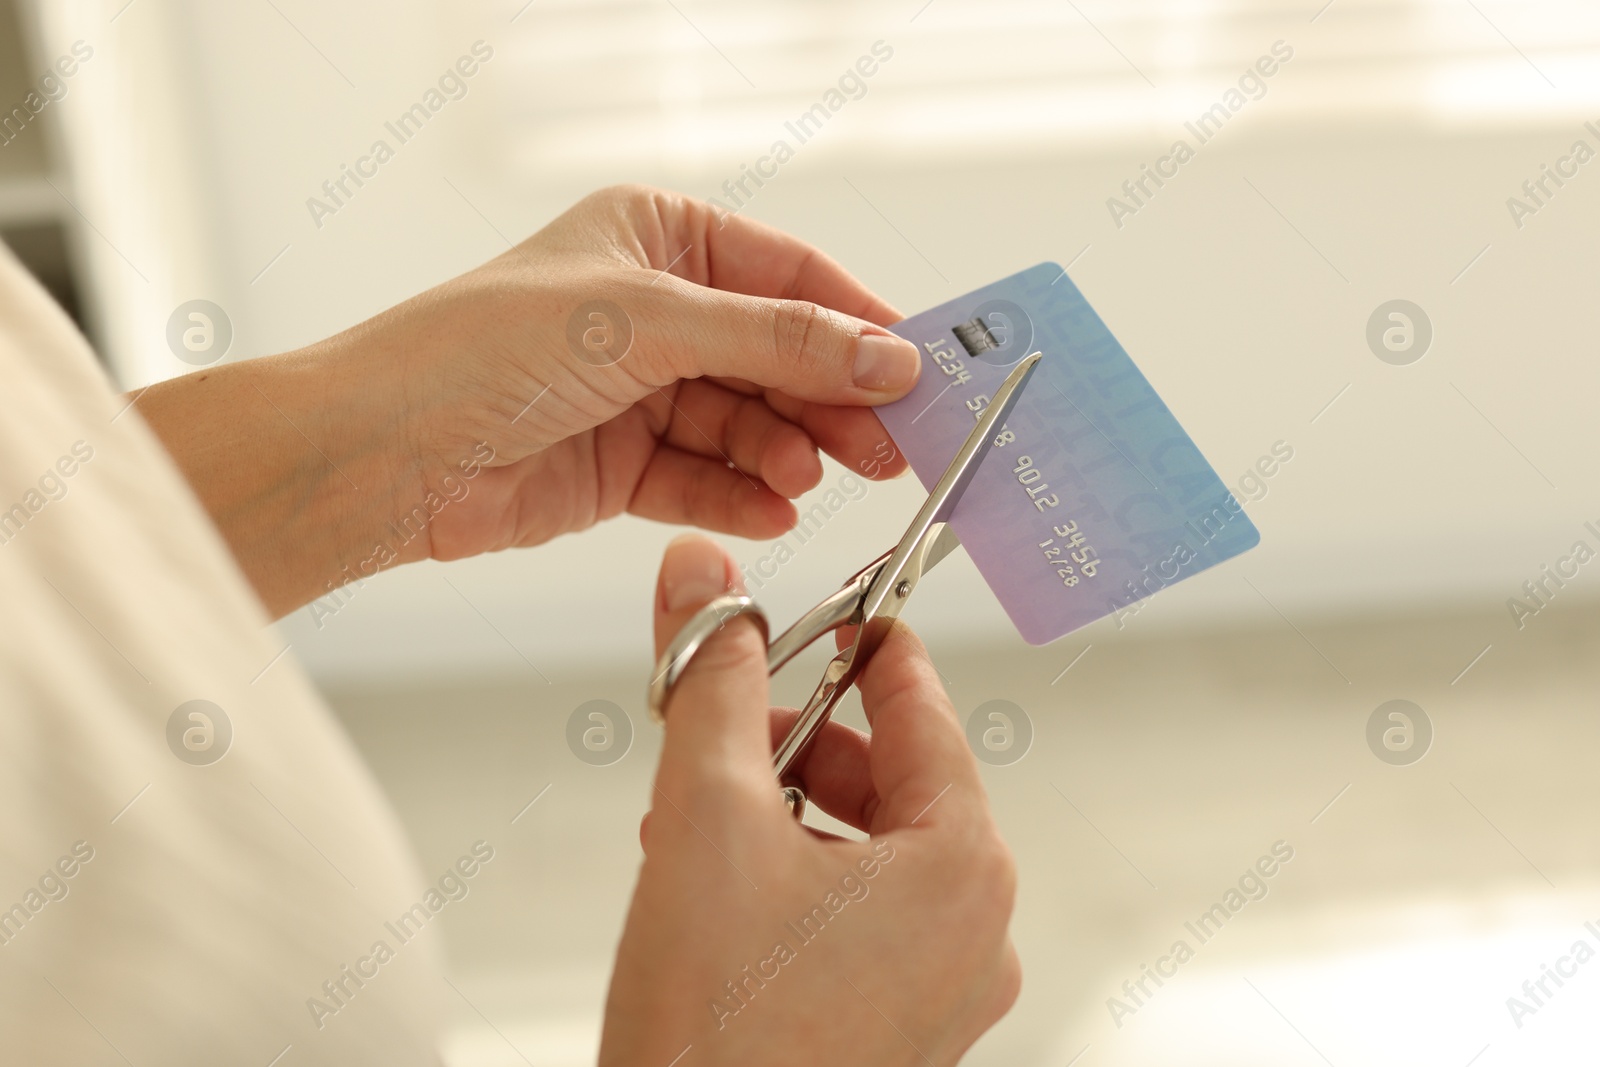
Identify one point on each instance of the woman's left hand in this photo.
(642, 353)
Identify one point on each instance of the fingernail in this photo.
(887, 362)
(694, 572)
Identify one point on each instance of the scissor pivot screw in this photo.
(903, 589)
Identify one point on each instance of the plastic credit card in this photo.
(1094, 497)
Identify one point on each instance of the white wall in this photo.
(1424, 483)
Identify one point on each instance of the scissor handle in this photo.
(840, 609)
(687, 641)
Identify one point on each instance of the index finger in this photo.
(922, 769)
(752, 258)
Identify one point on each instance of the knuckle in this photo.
(912, 688)
(799, 333)
(623, 193)
(708, 792)
(1008, 983)
(699, 503)
(1002, 867)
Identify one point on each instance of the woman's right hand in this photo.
(751, 939)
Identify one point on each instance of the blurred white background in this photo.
(1376, 165)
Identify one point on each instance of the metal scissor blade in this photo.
(927, 541)
(944, 542)
(946, 493)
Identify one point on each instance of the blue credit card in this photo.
(1093, 496)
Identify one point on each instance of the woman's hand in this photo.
(754, 940)
(641, 353)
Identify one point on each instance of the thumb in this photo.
(717, 735)
(801, 348)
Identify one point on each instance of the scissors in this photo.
(870, 600)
